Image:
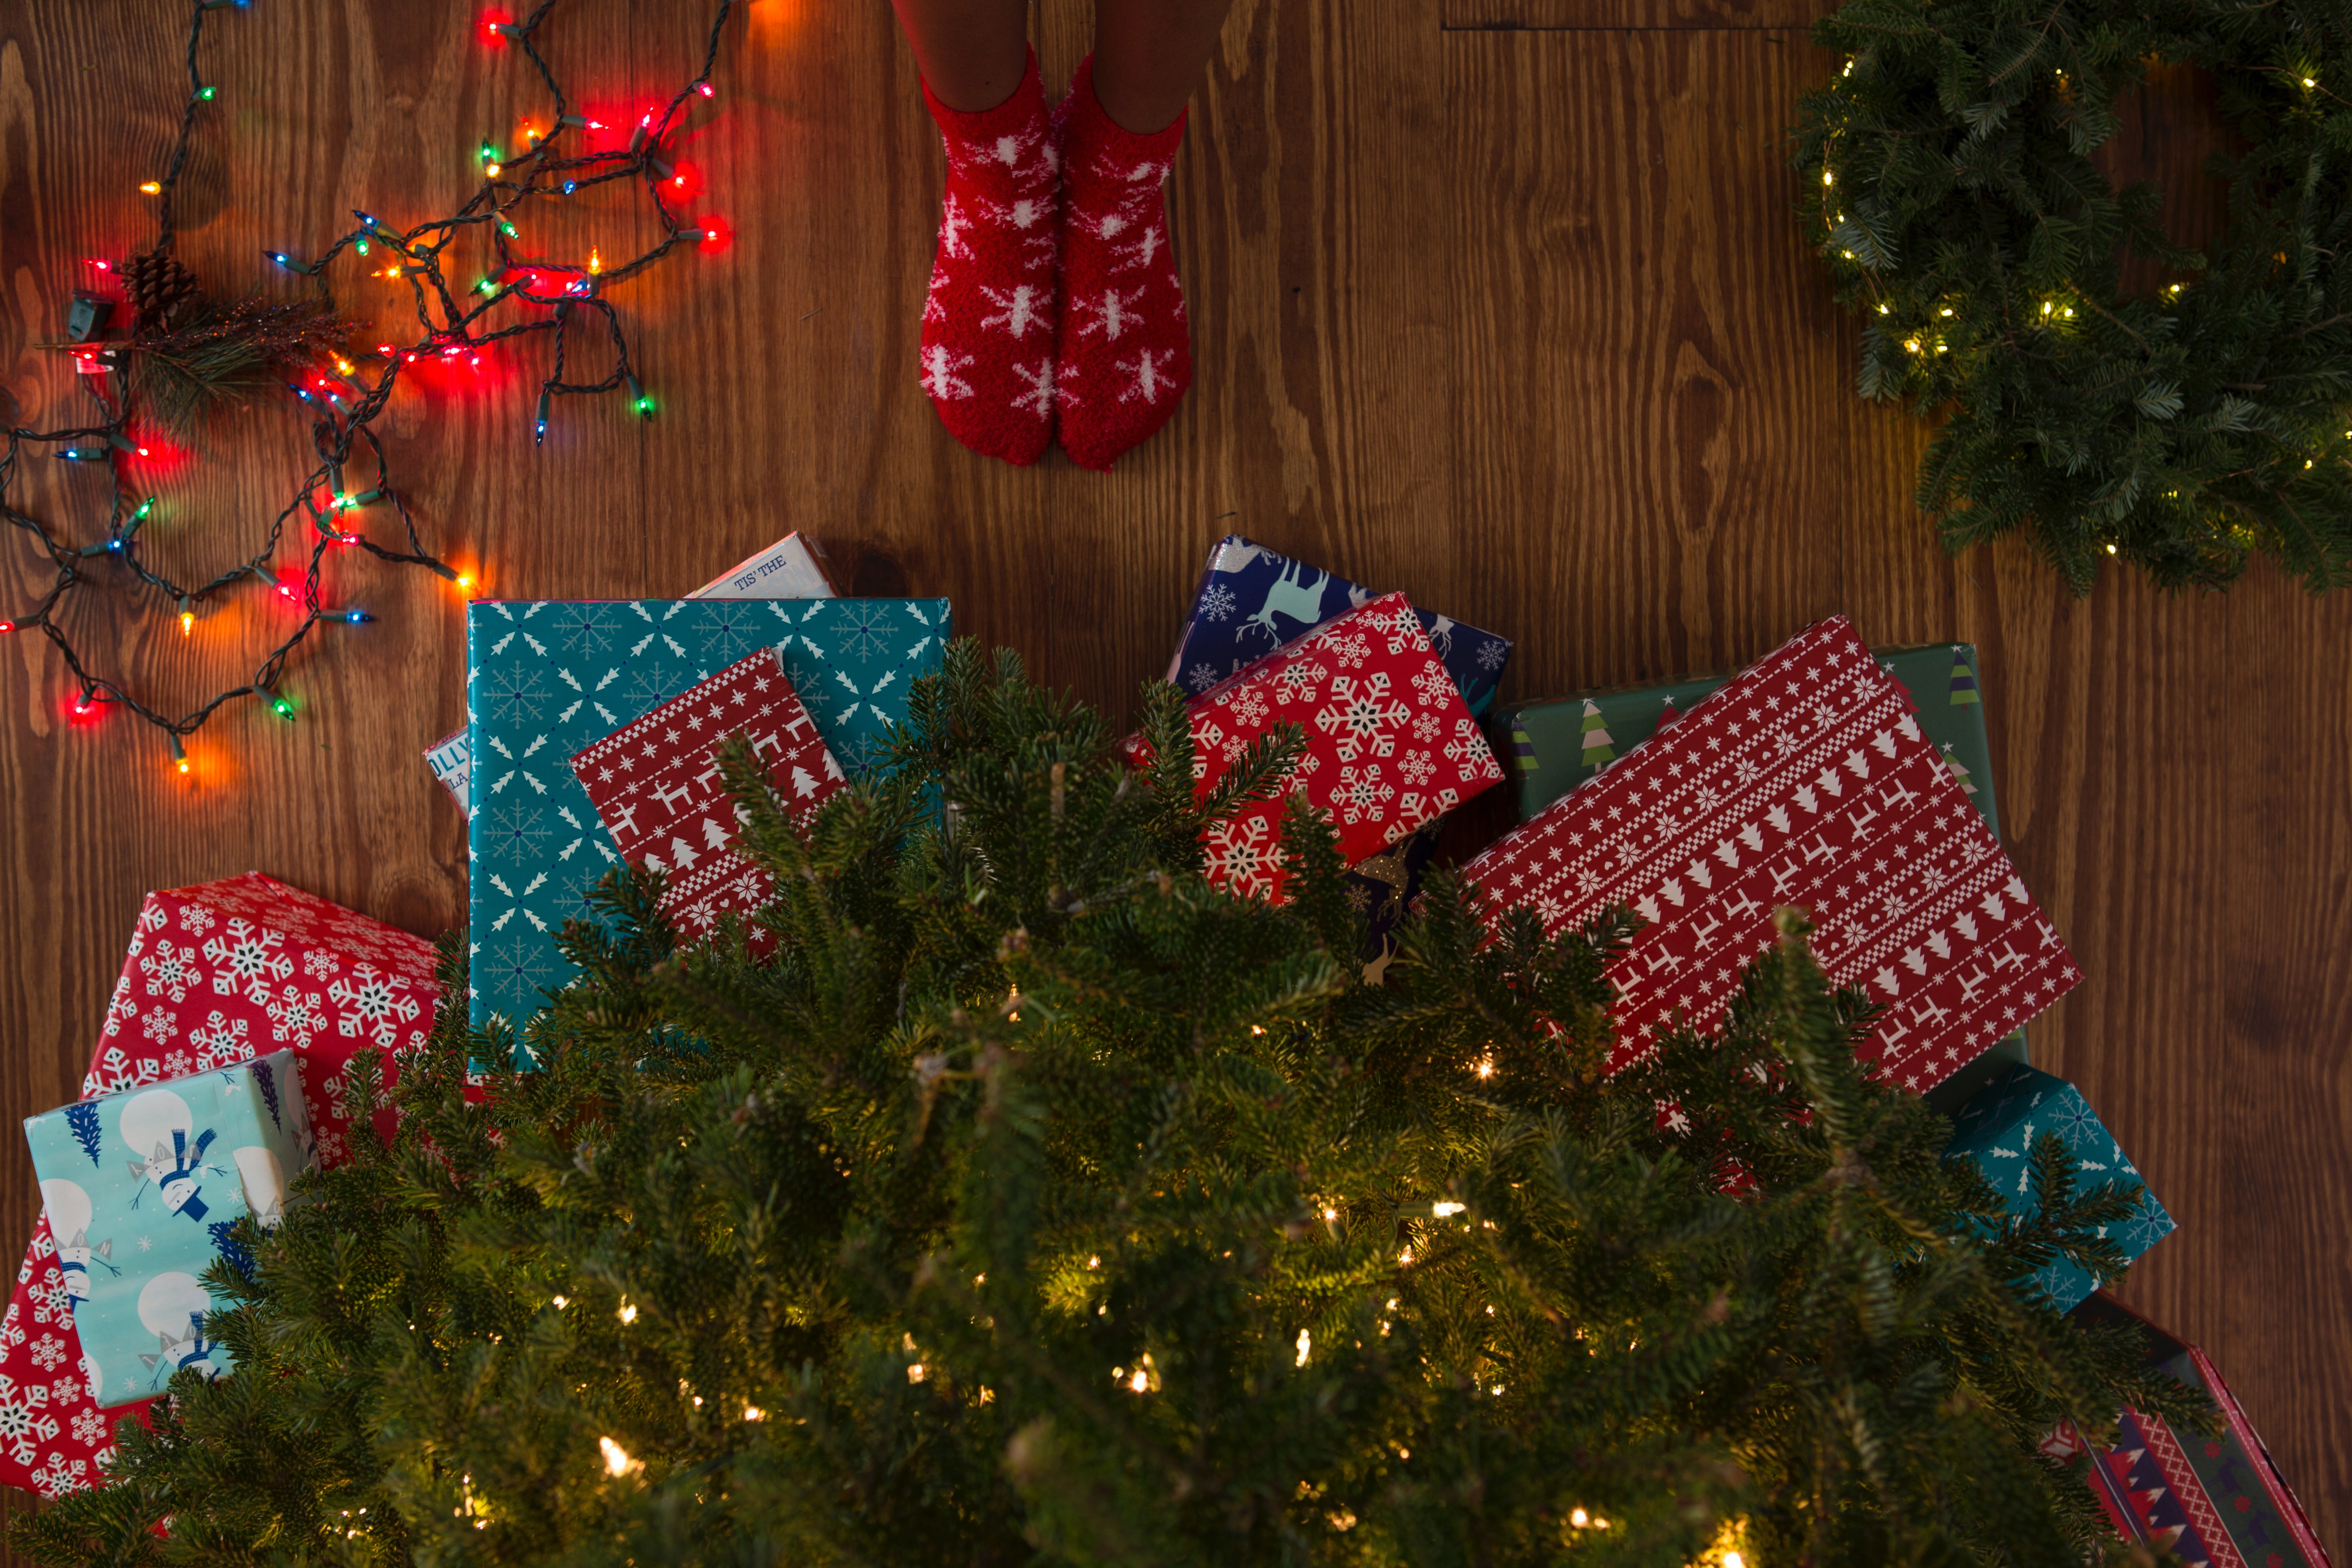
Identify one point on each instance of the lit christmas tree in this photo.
(1039, 1202)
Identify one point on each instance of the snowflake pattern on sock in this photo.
(989, 316)
(1126, 353)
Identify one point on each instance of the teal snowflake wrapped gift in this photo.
(143, 1189)
(547, 678)
(1997, 1129)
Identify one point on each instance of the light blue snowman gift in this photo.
(142, 1188)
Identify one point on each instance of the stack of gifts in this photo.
(1250, 605)
(594, 727)
(1564, 742)
(241, 1007)
(1807, 780)
(793, 567)
(2213, 1499)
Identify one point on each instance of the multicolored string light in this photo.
(341, 401)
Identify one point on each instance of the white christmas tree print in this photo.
(681, 853)
(1019, 310)
(1039, 399)
(1150, 369)
(803, 786)
(940, 366)
(714, 836)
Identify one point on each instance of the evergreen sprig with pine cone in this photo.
(1039, 1202)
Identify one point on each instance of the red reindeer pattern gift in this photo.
(1803, 781)
(657, 788)
(216, 975)
(1389, 744)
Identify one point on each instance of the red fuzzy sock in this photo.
(1125, 357)
(988, 322)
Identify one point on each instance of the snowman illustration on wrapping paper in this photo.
(172, 1306)
(160, 1122)
(69, 1208)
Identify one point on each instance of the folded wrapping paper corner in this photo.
(1389, 744)
(1803, 781)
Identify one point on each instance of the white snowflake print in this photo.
(1431, 685)
(176, 1065)
(121, 1007)
(68, 1390)
(1347, 651)
(1491, 654)
(296, 1017)
(59, 1477)
(247, 959)
(1301, 680)
(116, 1071)
(1200, 676)
(1217, 602)
(24, 1416)
(1019, 310)
(89, 1427)
(940, 366)
(1244, 856)
(1362, 716)
(1205, 739)
(318, 963)
(221, 1042)
(171, 972)
(1151, 380)
(1139, 253)
(1249, 707)
(1039, 399)
(1030, 218)
(1418, 768)
(330, 1145)
(1109, 314)
(160, 1027)
(52, 1303)
(195, 919)
(952, 222)
(370, 1006)
(1361, 794)
(47, 1351)
(935, 304)
(1469, 753)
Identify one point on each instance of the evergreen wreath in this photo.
(1952, 190)
(1039, 1202)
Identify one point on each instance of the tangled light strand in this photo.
(342, 406)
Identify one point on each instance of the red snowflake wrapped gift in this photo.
(216, 975)
(1803, 781)
(657, 788)
(1389, 744)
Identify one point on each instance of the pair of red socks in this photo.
(1054, 307)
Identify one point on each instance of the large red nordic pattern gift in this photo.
(1389, 744)
(215, 975)
(656, 785)
(1803, 781)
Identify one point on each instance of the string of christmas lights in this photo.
(340, 401)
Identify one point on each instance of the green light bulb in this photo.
(207, 93)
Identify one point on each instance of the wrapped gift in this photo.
(1804, 780)
(141, 1190)
(657, 788)
(793, 567)
(2215, 1500)
(1563, 741)
(1389, 744)
(1251, 601)
(547, 680)
(1997, 1129)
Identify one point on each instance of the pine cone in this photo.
(161, 289)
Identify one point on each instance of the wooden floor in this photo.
(1497, 301)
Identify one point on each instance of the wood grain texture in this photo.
(1515, 321)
